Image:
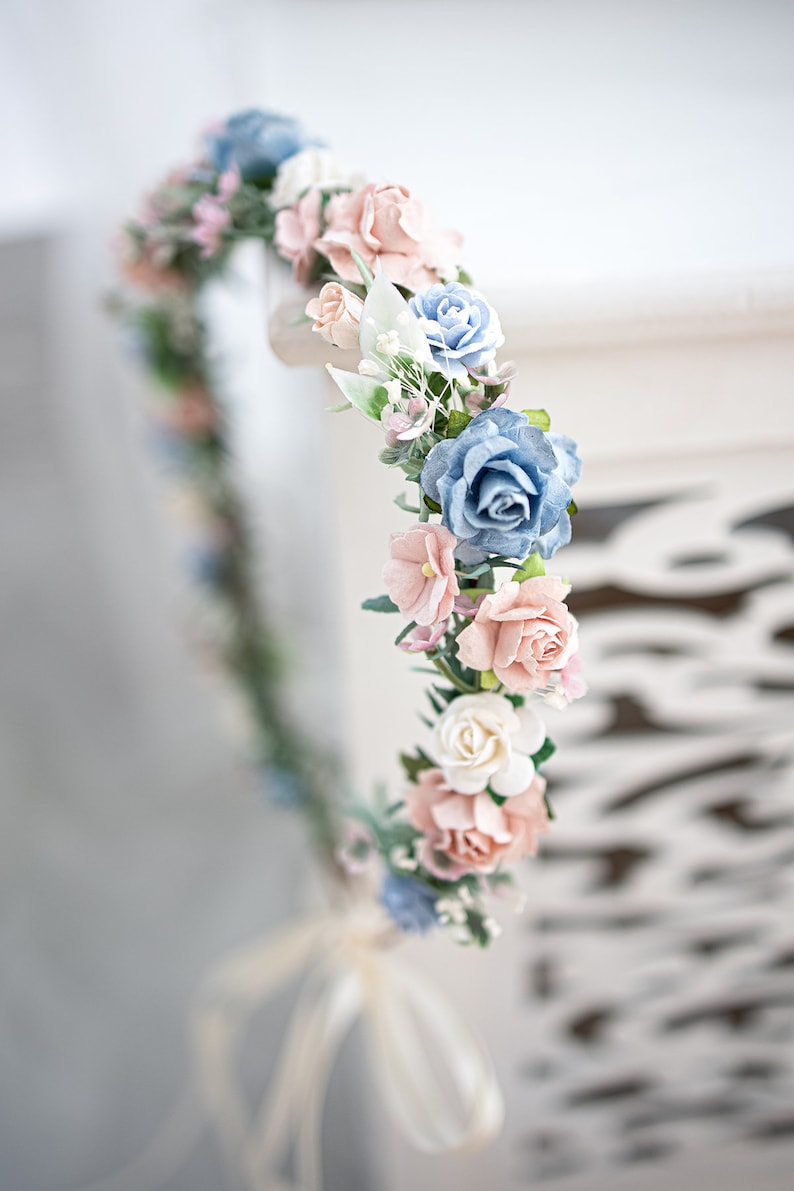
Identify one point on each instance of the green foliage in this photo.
(458, 421)
(413, 766)
(530, 568)
(539, 418)
(546, 750)
(573, 508)
(379, 604)
(366, 393)
(431, 504)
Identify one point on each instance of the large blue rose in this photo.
(502, 485)
(256, 142)
(462, 329)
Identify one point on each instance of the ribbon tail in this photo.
(416, 1033)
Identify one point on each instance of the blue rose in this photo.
(462, 329)
(409, 902)
(256, 142)
(502, 485)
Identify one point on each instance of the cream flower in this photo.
(482, 740)
(311, 168)
(337, 313)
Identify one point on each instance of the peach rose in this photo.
(297, 228)
(337, 313)
(420, 576)
(470, 832)
(523, 632)
(384, 221)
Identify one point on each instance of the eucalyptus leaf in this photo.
(402, 503)
(380, 604)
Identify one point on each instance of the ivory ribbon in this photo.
(415, 1034)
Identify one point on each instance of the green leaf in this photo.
(499, 799)
(488, 680)
(549, 810)
(516, 700)
(531, 568)
(413, 766)
(539, 418)
(338, 409)
(546, 750)
(380, 604)
(573, 508)
(434, 703)
(365, 392)
(458, 421)
(404, 633)
(475, 920)
(431, 504)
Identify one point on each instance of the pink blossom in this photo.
(384, 221)
(357, 850)
(571, 680)
(211, 218)
(420, 576)
(523, 632)
(229, 183)
(471, 831)
(424, 637)
(405, 425)
(297, 229)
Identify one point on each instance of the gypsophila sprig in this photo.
(489, 502)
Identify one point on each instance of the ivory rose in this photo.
(297, 228)
(420, 575)
(523, 632)
(337, 313)
(482, 740)
(384, 221)
(465, 832)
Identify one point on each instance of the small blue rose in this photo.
(409, 902)
(462, 329)
(256, 142)
(502, 485)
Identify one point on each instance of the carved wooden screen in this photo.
(659, 950)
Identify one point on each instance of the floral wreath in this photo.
(492, 504)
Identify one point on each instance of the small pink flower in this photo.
(229, 183)
(523, 632)
(297, 229)
(420, 576)
(471, 831)
(424, 637)
(571, 680)
(211, 219)
(337, 314)
(403, 425)
(384, 221)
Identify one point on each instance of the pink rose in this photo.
(523, 632)
(385, 222)
(211, 219)
(297, 228)
(466, 832)
(337, 314)
(420, 576)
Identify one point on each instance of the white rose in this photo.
(483, 740)
(311, 167)
(337, 314)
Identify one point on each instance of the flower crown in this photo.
(491, 504)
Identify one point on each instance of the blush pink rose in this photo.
(523, 632)
(465, 832)
(337, 314)
(383, 221)
(297, 229)
(420, 575)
